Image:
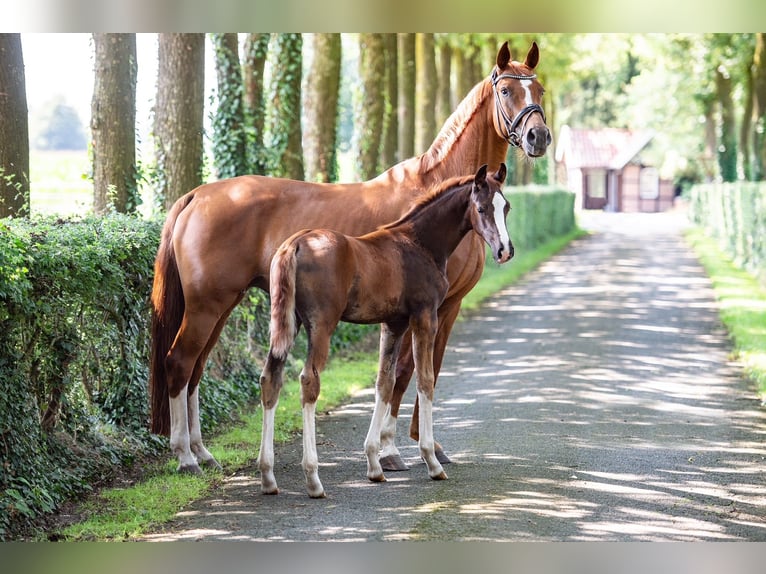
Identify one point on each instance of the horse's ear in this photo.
(500, 174)
(481, 175)
(503, 56)
(533, 57)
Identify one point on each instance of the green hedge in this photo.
(735, 215)
(538, 214)
(74, 350)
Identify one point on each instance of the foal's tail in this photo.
(282, 290)
(167, 311)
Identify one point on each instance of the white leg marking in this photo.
(388, 435)
(179, 433)
(195, 433)
(266, 453)
(310, 460)
(372, 442)
(426, 442)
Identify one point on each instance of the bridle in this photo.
(512, 136)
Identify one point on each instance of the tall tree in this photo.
(255, 56)
(284, 117)
(179, 114)
(444, 72)
(391, 91)
(113, 124)
(321, 105)
(425, 91)
(759, 90)
(372, 70)
(406, 99)
(229, 133)
(14, 129)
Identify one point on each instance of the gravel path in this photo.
(593, 401)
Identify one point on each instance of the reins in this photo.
(512, 136)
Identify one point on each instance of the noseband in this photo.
(513, 137)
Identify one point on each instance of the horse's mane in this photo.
(454, 128)
(435, 192)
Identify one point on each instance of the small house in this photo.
(605, 170)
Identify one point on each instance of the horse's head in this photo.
(490, 208)
(519, 116)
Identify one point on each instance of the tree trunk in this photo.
(14, 130)
(229, 133)
(113, 124)
(444, 98)
(727, 148)
(286, 146)
(390, 116)
(759, 90)
(321, 104)
(372, 70)
(406, 99)
(425, 92)
(179, 113)
(256, 53)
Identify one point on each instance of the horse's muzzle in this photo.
(503, 255)
(537, 140)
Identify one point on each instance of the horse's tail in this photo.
(167, 311)
(282, 290)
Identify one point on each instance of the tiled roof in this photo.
(610, 148)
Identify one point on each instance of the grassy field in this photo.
(59, 183)
(742, 301)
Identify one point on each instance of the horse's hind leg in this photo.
(319, 348)
(390, 343)
(271, 383)
(195, 432)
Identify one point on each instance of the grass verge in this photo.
(123, 513)
(742, 302)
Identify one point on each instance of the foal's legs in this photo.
(390, 342)
(271, 384)
(319, 349)
(423, 334)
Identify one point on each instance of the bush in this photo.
(735, 214)
(539, 214)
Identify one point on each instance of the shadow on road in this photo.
(593, 401)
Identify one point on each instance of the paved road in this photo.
(592, 401)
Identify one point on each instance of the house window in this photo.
(597, 184)
(649, 183)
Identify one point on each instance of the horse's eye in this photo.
(504, 91)
(480, 210)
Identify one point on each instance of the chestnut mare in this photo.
(396, 276)
(218, 241)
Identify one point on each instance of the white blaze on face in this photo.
(527, 92)
(498, 201)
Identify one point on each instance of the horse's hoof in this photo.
(192, 469)
(441, 476)
(441, 457)
(393, 463)
(318, 495)
(270, 491)
(212, 464)
(379, 478)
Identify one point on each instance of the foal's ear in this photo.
(503, 56)
(500, 174)
(481, 175)
(533, 57)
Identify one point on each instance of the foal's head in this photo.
(519, 116)
(489, 209)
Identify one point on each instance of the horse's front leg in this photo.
(271, 384)
(423, 334)
(390, 343)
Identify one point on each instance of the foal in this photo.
(395, 276)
